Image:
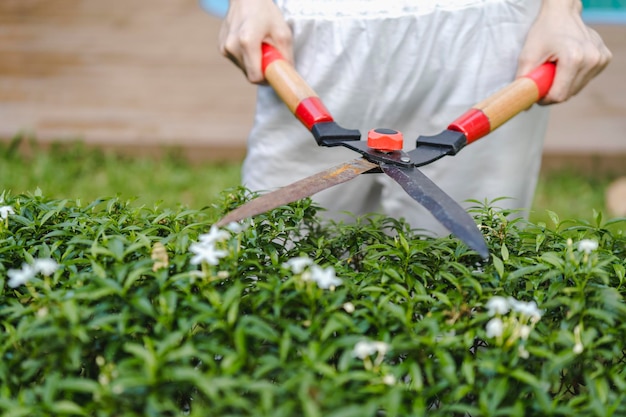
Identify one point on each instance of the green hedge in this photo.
(108, 309)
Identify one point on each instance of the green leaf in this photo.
(446, 366)
(555, 219)
(553, 259)
(528, 270)
(526, 378)
(147, 356)
(602, 315)
(597, 217)
(18, 411)
(336, 323)
(353, 410)
(258, 328)
(498, 265)
(66, 407)
(144, 305)
(539, 239)
(504, 251)
(467, 369)
(77, 385)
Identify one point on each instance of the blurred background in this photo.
(141, 78)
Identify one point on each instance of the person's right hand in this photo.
(246, 26)
(560, 35)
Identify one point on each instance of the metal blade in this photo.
(300, 189)
(441, 205)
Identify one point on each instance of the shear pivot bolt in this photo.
(384, 140)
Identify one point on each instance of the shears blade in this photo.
(298, 190)
(446, 210)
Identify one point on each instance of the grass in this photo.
(571, 195)
(77, 172)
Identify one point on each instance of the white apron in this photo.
(413, 66)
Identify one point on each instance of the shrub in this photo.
(109, 309)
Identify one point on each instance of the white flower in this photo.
(307, 276)
(5, 211)
(348, 307)
(364, 349)
(45, 266)
(587, 246)
(19, 277)
(578, 346)
(205, 250)
(497, 305)
(381, 347)
(206, 253)
(522, 352)
(325, 277)
(389, 379)
(215, 235)
(237, 228)
(299, 264)
(528, 309)
(494, 327)
(524, 331)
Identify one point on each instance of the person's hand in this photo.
(559, 35)
(246, 26)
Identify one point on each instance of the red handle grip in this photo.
(493, 112)
(299, 97)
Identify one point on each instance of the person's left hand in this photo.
(559, 35)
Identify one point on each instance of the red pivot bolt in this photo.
(384, 140)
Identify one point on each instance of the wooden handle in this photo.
(299, 97)
(494, 111)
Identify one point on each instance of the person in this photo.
(412, 66)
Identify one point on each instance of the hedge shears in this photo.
(382, 149)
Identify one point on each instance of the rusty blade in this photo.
(445, 209)
(298, 190)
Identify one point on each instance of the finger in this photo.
(228, 45)
(230, 50)
(282, 39)
(252, 62)
(569, 71)
(583, 78)
(245, 53)
(231, 57)
(596, 58)
(605, 53)
(238, 45)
